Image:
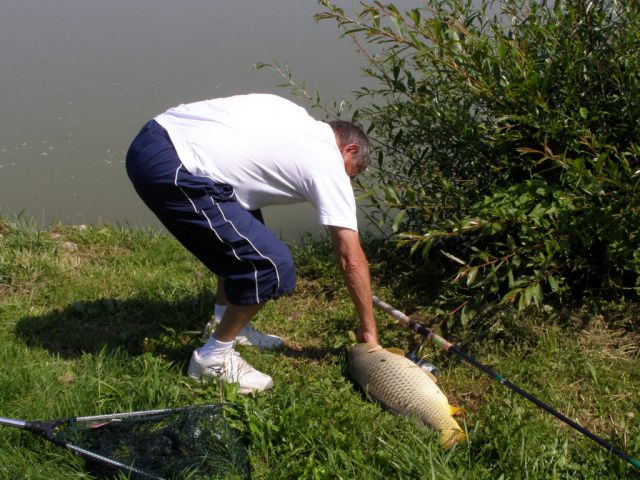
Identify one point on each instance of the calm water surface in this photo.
(80, 77)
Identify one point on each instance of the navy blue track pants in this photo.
(207, 219)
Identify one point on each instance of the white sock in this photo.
(218, 312)
(215, 347)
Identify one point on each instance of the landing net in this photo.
(193, 442)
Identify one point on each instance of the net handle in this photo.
(140, 413)
(87, 454)
(12, 422)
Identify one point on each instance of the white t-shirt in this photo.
(269, 149)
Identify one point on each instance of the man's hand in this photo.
(363, 336)
(355, 271)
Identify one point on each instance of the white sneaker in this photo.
(229, 367)
(249, 336)
(264, 341)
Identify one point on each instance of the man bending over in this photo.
(206, 168)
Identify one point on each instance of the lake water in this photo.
(80, 77)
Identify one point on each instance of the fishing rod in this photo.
(449, 347)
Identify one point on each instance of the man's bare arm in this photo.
(355, 271)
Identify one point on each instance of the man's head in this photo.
(354, 146)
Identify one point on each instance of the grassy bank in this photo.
(100, 319)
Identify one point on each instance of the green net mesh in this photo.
(194, 442)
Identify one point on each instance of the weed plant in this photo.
(102, 319)
(507, 135)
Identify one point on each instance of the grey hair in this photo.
(349, 132)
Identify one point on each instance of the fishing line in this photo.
(447, 346)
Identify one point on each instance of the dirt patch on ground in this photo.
(612, 343)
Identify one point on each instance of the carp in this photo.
(392, 380)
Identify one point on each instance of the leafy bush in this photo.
(508, 142)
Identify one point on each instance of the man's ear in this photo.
(351, 148)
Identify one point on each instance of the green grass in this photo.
(104, 319)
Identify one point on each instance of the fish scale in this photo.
(400, 385)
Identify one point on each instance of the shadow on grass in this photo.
(170, 328)
(134, 326)
(311, 353)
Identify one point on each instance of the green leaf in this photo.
(464, 316)
(502, 50)
(511, 295)
(398, 221)
(538, 295)
(471, 276)
(415, 16)
(396, 21)
(528, 294)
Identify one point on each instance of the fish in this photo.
(389, 378)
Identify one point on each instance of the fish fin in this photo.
(453, 410)
(395, 351)
(450, 436)
(432, 377)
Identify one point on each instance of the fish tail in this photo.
(450, 436)
(453, 411)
